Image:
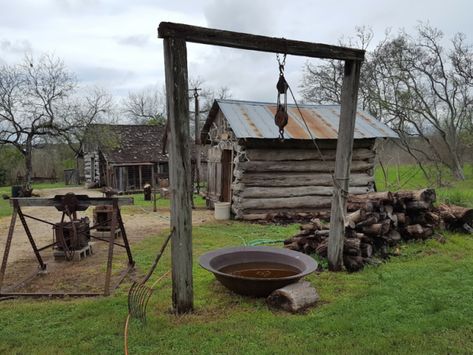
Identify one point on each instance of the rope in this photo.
(335, 180)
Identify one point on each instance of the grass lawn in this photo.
(420, 302)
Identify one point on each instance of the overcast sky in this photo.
(114, 44)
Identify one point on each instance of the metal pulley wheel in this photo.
(281, 118)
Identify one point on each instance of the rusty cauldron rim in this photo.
(309, 263)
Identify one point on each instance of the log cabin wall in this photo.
(268, 175)
(92, 167)
(222, 140)
(291, 176)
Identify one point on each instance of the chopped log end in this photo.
(294, 298)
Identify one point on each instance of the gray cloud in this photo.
(15, 46)
(113, 42)
(135, 40)
(102, 75)
(243, 15)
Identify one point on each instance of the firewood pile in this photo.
(379, 220)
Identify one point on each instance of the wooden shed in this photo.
(260, 174)
(124, 157)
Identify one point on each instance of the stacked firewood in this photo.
(379, 220)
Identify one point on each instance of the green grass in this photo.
(420, 302)
(5, 209)
(411, 177)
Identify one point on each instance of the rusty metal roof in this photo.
(256, 120)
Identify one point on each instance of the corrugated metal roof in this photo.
(256, 120)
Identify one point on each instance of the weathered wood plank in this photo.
(175, 59)
(300, 166)
(303, 154)
(269, 192)
(247, 179)
(51, 202)
(256, 42)
(346, 129)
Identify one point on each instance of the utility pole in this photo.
(197, 138)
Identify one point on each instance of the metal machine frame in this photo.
(70, 203)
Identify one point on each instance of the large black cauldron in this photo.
(257, 271)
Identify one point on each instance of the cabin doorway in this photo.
(226, 175)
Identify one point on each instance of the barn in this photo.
(261, 174)
(124, 157)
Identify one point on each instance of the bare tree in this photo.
(33, 99)
(94, 107)
(147, 106)
(426, 91)
(419, 87)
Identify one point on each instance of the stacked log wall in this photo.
(285, 178)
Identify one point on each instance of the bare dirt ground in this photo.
(87, 275)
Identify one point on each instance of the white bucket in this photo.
(222, 210)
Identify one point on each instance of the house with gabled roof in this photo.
(124, 157)
(260, 174)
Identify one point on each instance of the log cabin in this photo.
(260, 174)
(124, 157)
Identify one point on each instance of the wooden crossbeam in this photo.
(91, 201)
(256, 42)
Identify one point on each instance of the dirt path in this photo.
(139, 223)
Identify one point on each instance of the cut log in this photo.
(385, 196)
(451, 213)
(377, 229)
(401, 218)
(366, 250)
(352, 246)
(316, 223)
(293, 298)
(372, 219)
(321, 250)
(393, 237)
(427, 195)
(355, 217)
(418, 206)
(353, 263)
(416, 231)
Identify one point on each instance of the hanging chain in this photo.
(281, 117)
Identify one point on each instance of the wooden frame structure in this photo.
(175, 60)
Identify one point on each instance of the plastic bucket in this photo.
(222, 210)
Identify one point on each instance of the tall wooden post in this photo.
(197, 139)
(175, 60)
(346, 129)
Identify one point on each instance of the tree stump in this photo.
(293, 298)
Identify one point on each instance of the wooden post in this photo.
(175, 61)
(346, 131)
(6, 251)
(140, 177)
(197, 140)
